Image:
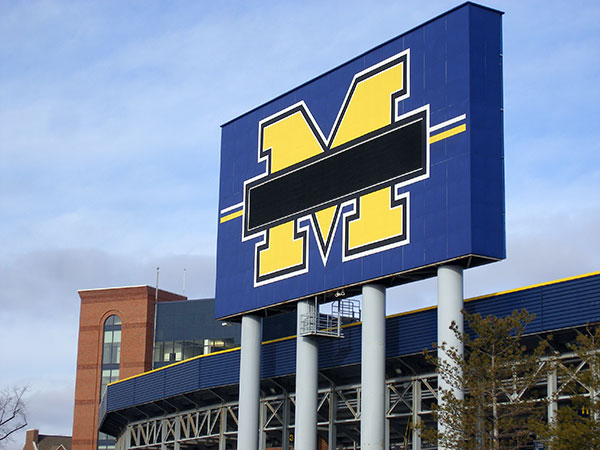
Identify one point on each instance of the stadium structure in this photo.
(192, 404)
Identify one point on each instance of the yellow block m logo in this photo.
(352, 176)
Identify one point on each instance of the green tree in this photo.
(498, 374)
(577, 425)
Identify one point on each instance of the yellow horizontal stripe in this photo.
(234, 349)
(232, 216)
(495, 294)
(285, 338)
(448, 133)
(405, 313)
(412, 311)
(547, 283)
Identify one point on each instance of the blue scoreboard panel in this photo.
(377, 171)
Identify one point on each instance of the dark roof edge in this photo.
(188, 300)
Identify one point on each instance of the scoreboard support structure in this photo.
(372, 413)
(249, 391)
(450, 306)
(369, 176)
(307, 383)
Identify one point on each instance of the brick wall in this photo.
(135, 307)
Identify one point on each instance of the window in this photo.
(111, 353)
(167, 352)
(111, 358)
(105, 442)
(112, 346)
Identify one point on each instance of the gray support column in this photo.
(450, 305)
(416, 409)
(372, 414)
(128, 437)
(177, 444)
(285, 429)
(594, 394)
(163, 434)
(262, 437)
(387, 421)
(249, 396)
(223, 428)
(551, 392)
(307, 359)
(332, 431)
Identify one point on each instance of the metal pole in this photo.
(128, 438)
(177, 443)
(332, 431)
(249, 396)
(594, 394)
(262, 436)
(551, 395)
(450, 305)
(223, 428)
(163, 434)
(372, 415)
(307, 359)
(416, 409)
(387, 421)
(285, 429)
(156, 289)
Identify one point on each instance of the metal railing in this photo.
(316, 323)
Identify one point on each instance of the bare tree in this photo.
(13, 414)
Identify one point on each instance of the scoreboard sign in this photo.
(379, 170)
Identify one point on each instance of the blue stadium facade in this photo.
(193, 403)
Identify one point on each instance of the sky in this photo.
(110, 117)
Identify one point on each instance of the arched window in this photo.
(111, 353)
(111, 357)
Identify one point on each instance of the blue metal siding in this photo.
(411, 333)
(571, 303)
(149, 387)
(278, 358)
(182, 378)
(566, 304)
(192, 320)
(219, 370)
(119, 396)
(503, 305)
(341, 352)
(561, 305)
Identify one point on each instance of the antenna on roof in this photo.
(184, 281)
(156, 290)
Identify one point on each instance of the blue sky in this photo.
(109, 149)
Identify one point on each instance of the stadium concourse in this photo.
(193, 403)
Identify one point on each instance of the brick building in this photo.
(36, 441)
(116, 336)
